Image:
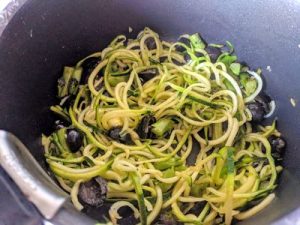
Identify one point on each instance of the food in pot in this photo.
(134, 113)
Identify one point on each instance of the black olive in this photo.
(177, 62)
(125, 211)
(150, 43)
(114, 133)
(93, 192)
(198, 54)
(185, 41)
(128, 219)
(187, 57)
(126, 139)
(167, 218)
(257, 111)
(88, 66)
(144, 127)
(148, 74)
(74, 139)
(264, 100)
(278, 144)
(213, 52)
(255, 164)
(219, 220)
(197, 208)
(162, 59)
(59, 124)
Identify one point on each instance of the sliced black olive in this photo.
(88, 66)
(167, 218)
(93, 192)
(278, 144)
(197, 208)
(148, 74)
(162, 59)
(198, 54)
(125, 211)
(257, 111)
(128, 220)
(150, 43)
(177, 62)
(219, 220)
(185, 41)
(187, 57)
(255, 164)
(114, 133)
(213, 52)
(126, 139)
(264, 100)
(144, 127)
(74, 139)
(59, 124)
(127, 215)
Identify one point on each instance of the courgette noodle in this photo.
(199, 106)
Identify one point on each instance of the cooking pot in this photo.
(40, 37)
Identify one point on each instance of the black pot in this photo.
(43, 36)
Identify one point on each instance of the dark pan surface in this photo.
(45, 35)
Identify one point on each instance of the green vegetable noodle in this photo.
(171, 130)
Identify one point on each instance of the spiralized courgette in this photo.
(199, 106)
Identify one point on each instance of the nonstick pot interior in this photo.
(43, 36)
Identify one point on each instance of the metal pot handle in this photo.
(29, 176)
(36, 185)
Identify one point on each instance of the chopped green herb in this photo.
(235, 68)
